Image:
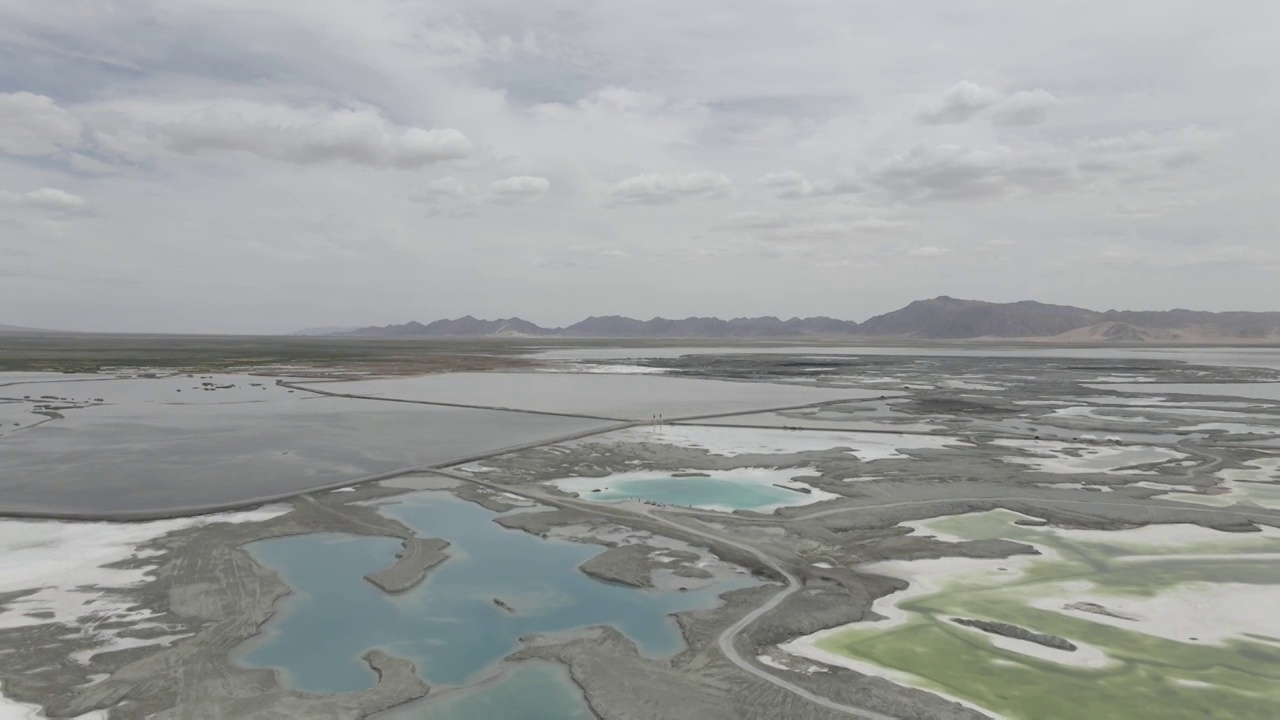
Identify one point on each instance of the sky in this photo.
(245, 166)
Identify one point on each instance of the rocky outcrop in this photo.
(1018, 633)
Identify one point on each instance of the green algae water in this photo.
(1175, 629)
(449, 625)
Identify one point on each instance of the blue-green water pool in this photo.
(449, 626)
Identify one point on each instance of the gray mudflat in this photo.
(633, 565)
(412, 564)
(148, 450)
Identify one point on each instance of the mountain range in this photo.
(941, 318)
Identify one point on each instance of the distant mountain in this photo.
(946, 318)
(462, 327)
(318, 331)
(19, 330)
(709, 327)
(942, 318)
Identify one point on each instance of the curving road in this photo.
(727, 640)
(728, 646)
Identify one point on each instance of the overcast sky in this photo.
(250, 166)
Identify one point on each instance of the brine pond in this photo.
(759, 489)
(116, 447)
(450, 626)
(1258, 390)
(622, 397)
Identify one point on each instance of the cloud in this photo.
(660, 189)
(952, 173)
(960, 103)
(310, 135)
(612, 125)
(788, 226)
(448, 187)
(792, 185)
(33, 125)
(1150, 207)
(928, 251)
(966, 100)
(520, 187)
(215, 131)
(1026, 107)
(450, 198)
(49, 199)
(87, 165)
(1150, 151)
(758, 221)
(873, 223)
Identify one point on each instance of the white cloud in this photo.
(449, 187)
(451, 198)
(878, 224)
(520, 187)
(1151, 207)
(790, 226)
(1025, 107)
(967, 100)
(952, 173)
(960, 103)
(929, 251)
(790, 184)
(758, 221)
(308, 135)
(614, 101)
(614, 127)
(659, 189)
(33, 125)
(215, 131)
(793, 185)
(1148, 150)
(87, 165)
(49, 199)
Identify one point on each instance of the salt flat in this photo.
(733, 441)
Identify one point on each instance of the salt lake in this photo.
(450, 625)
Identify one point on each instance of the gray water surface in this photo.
(171, 444)
(1262, 357)
(627, 397)
(1262, 391)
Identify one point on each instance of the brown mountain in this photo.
(710, 327)
(941, 318)
(946, 318)
(462, 327)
